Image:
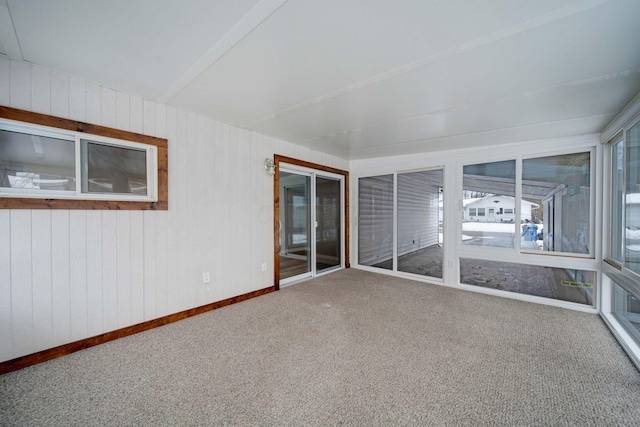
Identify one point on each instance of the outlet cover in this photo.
(206, 277)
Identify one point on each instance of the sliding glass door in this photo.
(311, 230)
(411, 207)
(420, 222)
(295, 222)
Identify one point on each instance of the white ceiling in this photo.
(356, 78)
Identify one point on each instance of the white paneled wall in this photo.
(67, 275)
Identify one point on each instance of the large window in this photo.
(55, 163)
(547, 201)
(553, 210)
(621, 272)
(42, 162)
(523, 221)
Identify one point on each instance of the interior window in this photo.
(39, 162)
(113, 169)
(36, 162)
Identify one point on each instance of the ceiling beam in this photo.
(243, 28)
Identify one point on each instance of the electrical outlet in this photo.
(206, 277)
(264, 267)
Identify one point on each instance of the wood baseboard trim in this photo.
(63, 350)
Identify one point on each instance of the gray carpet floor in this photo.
(348, 348)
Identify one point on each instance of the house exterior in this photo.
(495, 209)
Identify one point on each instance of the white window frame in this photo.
(607, 213)
(151, 153)
(607, 258)
(592, 198)
(614, 271)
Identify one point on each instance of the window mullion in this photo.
(518, 205)
(79, 174)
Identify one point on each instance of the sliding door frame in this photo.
(276, 208)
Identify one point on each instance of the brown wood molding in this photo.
(284, 159)
(75, 126)
(72, 125)
(63, 350)
(277, 158)
(276, 226)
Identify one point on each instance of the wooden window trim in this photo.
(75, 126)
(276, 208)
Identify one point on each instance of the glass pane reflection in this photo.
(328, 228)
(632, 202)
(34, 162)
(558, 188)
(112, 169)
(489, 204)
(375, 221)
(295, 219)
(626, 308)
(420, 222)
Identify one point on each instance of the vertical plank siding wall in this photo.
(417, 214)
(69, 275)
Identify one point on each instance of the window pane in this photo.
(616, 208)
(328, 223)
(549, 282)
(420, 222)
(113, 169)
(558, 190)
(34, 162)
(632, 217)
(375, 221)
(626, 308)
(295, 221)
(489, 192)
